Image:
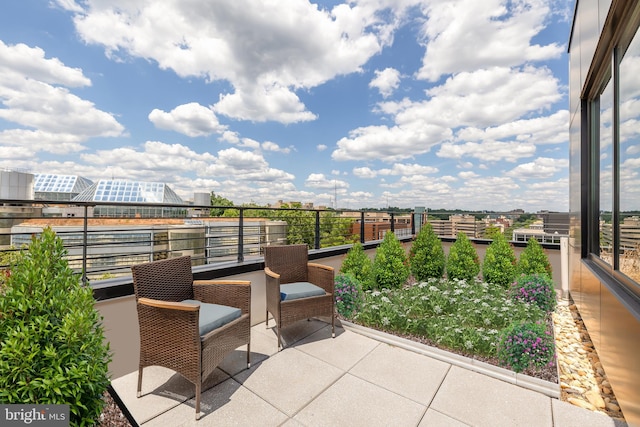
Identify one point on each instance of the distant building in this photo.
(537, 230)
(466, 224)
(15, 185)
(629, 234)
(136, 193)
(555, 222)
(59, 187)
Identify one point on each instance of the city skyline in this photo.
(456, 104)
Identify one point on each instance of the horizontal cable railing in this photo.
(103, 239)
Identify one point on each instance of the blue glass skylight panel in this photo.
(54, 183)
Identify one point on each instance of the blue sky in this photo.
(436, 103)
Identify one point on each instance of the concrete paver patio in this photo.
(352, 380)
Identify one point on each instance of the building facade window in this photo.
(629, 161)
(615, 144)
(605, 182)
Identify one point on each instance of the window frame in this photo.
(607, 69)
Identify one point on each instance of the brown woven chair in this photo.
(289, 265)
(170, 330)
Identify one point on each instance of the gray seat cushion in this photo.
(297, 290)
(213, 316)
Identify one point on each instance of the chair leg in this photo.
(333, 326)
(280, 346)
(198, 389)
(248, 355)
(139, 382)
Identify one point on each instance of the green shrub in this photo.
(426, 256)
(390, 264)
(526, 345)
(533, 259)
(499, 265)
(348, 295)
(535, 289)
(463, 262)
(53, 349)
(358, 264)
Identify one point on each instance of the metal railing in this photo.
(103, 239)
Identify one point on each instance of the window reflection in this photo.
(629, 244)
(606, 181)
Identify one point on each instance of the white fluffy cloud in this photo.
(483, 34)
(458, 108)
(319, 180)
(386, 81)
(34, 96)
(267, 50)
(540, 168)
(190, 119)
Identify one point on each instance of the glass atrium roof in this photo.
(48, 183)
(121, 190)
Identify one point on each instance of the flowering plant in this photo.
(535, 289)
(347, 292)
(525, 345)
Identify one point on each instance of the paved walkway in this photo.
(352, 380)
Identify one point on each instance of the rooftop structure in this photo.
(122, 190)
(59, 187)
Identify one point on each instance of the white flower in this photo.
(385, 321)
(385, 299)
(437, 309)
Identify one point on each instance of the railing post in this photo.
(241, 236)
(84, 245)
(362, 227)
(317, 229)
(413, 223)
(393, 226)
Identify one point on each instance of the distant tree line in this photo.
(334, 230)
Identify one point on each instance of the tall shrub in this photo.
(53, 349)
(533, 260)
(463, 262)
(426, 256)
(358, 264)
(499, 265)
(390, 264)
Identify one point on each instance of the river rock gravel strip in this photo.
(583, 381)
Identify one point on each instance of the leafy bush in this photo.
(347, 293)
(358, 264)
(499, 265)
(535, 289)
(390, 265)
(534, 260)
(526, 345)
(53, 349)
(426, 256)
(463, 262)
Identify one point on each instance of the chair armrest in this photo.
(170, 305)
(233, 293)
(272, 290)
(321, 275)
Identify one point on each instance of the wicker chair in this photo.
(170, 330)
(289, 265)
